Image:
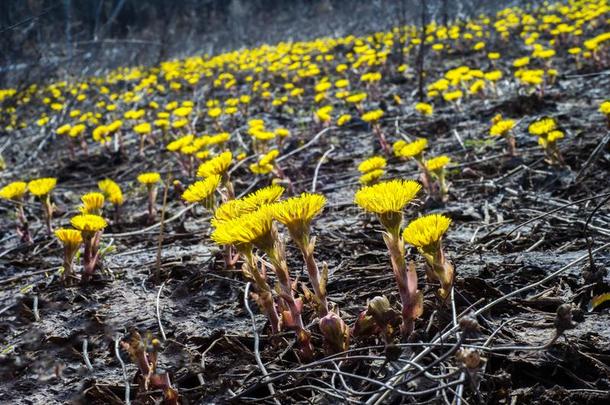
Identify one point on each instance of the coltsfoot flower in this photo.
(14, 192)
(112, 191)
(91, 227)
(296, 214)
(71, 240)
(413, 149)
(202, 191)
(42, 188)
(503, 128)
(150, 179)
(387, 200)
(93, 203)
(426, 233)
(371, 169)
(88, 223)
(436, 166)
(217, 165)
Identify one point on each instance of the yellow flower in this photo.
(42, 187)
(356, 98)
(493, 76)
(426, 232)
(344, 119)
(14, 190)
(88, 223)
(229, 210)
(389, 196)
(542, 126)
(554, 136)
(604, 107)
(143, 128)
(424, 108)
(201, 190)
(63, 130)
(298, 212)
(269, 157)
(453, 95)
(437, 163)
(263, 196)
(372, 116)
(71, 238)
(112, 191)
(180, 142)
(149, 178)
(373, 163)
(413, 149)
(282, 132)
(258, 168)
(92, 203)
(493, 55)
(323, 113)
(371, 177)
(502, 127)
(519, 63)
(251, 228)
(217, 165)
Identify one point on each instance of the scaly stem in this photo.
(426, 178)
(512, 145)
(406, 279)
(23, 228)
(48, 213)
(90, 255)
(152, 196)
(307, 247)
(280, 266)
(263, 290)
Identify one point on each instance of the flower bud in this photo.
(335, 331)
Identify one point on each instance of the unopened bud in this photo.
(335, 331)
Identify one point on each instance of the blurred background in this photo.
(55, 38)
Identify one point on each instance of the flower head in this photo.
(372, 116)
(200, 191)
(13, 191)
(42, 187)
(229, 210)
(88, 223)
(143, 129)
(426, 232)
(260, 197)
(502, 127)
(71, 238)
(251, 228)
(388, 196)
(412, 149)
(371, 177)
(298, 212)
(112, 191)
(542, 126)
(437, 163)
(424, 108)
(217, 165)
(373, 163)
(92, 203)
(149, 178)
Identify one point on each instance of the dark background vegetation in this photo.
(52, 38)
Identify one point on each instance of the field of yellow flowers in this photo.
(412, 216)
